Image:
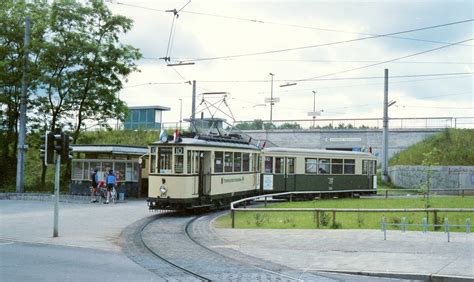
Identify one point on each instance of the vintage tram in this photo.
(201, 172)
(210, 172)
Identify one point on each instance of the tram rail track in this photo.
(177, 248)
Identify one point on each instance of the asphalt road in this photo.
(45, 262)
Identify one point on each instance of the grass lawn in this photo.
(306, 220)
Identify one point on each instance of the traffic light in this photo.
(47, 148)
(66, 154)
(58, 142)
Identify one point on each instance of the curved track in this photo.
(177, 247)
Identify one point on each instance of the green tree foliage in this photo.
(76, 67)
(450, 147)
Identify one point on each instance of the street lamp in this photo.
(314, 113)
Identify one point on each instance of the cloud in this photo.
(288, 24)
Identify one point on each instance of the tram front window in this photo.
(164, 160)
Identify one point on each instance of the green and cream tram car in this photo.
(201, 172)
(291, 169)
(210, 172)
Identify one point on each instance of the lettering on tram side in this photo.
(231, 180)
(330, 182)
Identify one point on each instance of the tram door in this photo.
(204, 173)
(284, 177)
(290, 176)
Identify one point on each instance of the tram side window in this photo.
(237, 162)
(193, 162)
(218, 162)
(268, 164)
(279, 165)
(164, 160)
(291, 165)
(336, 166)
(228, 161)
(324, 166)
(152, 159)
(349, 166)
(245, 162)
(311, 165)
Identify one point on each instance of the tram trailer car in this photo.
(292, 169)
(201, 172)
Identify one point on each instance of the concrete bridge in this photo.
(344, 139)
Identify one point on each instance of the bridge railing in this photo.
(359, 123)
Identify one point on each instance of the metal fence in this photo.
(425, 226)
(367, 123)
(317, 211)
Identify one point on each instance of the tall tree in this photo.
(12, 19)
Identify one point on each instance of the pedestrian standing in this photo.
(95, 182)
(110, 181)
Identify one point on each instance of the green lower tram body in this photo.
(323, 186)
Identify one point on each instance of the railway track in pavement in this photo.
(184, 248)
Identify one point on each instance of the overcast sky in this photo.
(210, 29)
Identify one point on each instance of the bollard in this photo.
(386, 194)
(317, 219)
(333, 218)
(404, 224)
(232, 215)
(384, 229)
(291, 197)
(425, 225)
(446, 227)
(468, 225)
(265, 201)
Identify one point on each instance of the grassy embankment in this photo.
(306, 220)
(449, 147)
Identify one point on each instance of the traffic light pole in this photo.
(56, 195)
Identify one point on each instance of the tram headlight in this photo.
(163, 190)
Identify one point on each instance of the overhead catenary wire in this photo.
(385, 62)
(331, 43)
(443, 76)
(283, 24)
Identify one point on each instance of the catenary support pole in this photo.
(20, 169)
(193, 107)
(385, 131)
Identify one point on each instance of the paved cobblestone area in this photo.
(359, 251)
(167, 237)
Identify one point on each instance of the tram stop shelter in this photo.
(125, 161)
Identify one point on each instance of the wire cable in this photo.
(332, 43)
(387, 61)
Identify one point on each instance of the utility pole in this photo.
(193, 107)
(271, 100)
(20, 169)
(180, 113)
(385, 130)
(314, 107)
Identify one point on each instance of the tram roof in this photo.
(315, 151)
(208, 143)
